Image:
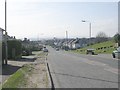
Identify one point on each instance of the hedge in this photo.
(14, 49)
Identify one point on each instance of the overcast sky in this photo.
(38, 19)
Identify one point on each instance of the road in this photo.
(71, 70)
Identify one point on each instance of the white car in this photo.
(116, 53)
(45, 50)
(57, 49)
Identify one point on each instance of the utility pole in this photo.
(89, 27)
(6, 46)
(89, 30)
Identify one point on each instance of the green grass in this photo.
(18, 79)
(40, 53)
(104, 47)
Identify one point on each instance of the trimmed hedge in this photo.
(14, 49)
(3, 52)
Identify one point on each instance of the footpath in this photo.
(29, 72)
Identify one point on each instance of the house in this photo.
(13, 47)
(65, 43)
(70, 43)
(83, 42)
(75, 44)
(1, 34)
(59, 44)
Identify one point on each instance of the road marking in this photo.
(116, 59)
(105, 66)
(91, 62)
(95, 63)
(110, 69)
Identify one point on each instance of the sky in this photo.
(36, 19)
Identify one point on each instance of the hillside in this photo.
(104, 47)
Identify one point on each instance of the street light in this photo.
(89, 27)
(6, 48)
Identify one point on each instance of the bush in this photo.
(14, 49)
(3, 52)
(101, 47)
(117, 38)
(104, 47)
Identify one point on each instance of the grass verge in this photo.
(100, 48)
(18, 79)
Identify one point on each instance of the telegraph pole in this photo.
(6, 48)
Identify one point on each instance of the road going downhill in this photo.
(70, 70)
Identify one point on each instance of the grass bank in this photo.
(103, 48)
(19, 78)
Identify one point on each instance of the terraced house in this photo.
(13, 45)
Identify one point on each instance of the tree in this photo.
(117, 38)
(101, 37)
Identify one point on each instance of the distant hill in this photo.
(104, 47)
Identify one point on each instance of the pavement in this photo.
(72, 70)
(40, 73)
(13, 66)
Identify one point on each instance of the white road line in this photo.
(105, 66)
(116, 59)
(111, 69)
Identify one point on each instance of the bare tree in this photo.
(101, 37)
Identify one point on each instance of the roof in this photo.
(76, 41)
(90, 49)
(2, 29)
(71, 41)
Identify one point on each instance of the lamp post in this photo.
(89, 27)
(6, 48)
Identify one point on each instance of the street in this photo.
(71, 70)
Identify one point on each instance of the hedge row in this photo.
(14, 49)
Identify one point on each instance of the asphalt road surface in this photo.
(71, 70)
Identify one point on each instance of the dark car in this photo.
(116, 53)
(57, 49)
(90, 51)
(26, 53)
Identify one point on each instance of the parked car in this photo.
(45, 50)
(57, 49)
(90, 51)
(26, 53)
(116, 53)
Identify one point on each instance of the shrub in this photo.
(14, 49)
